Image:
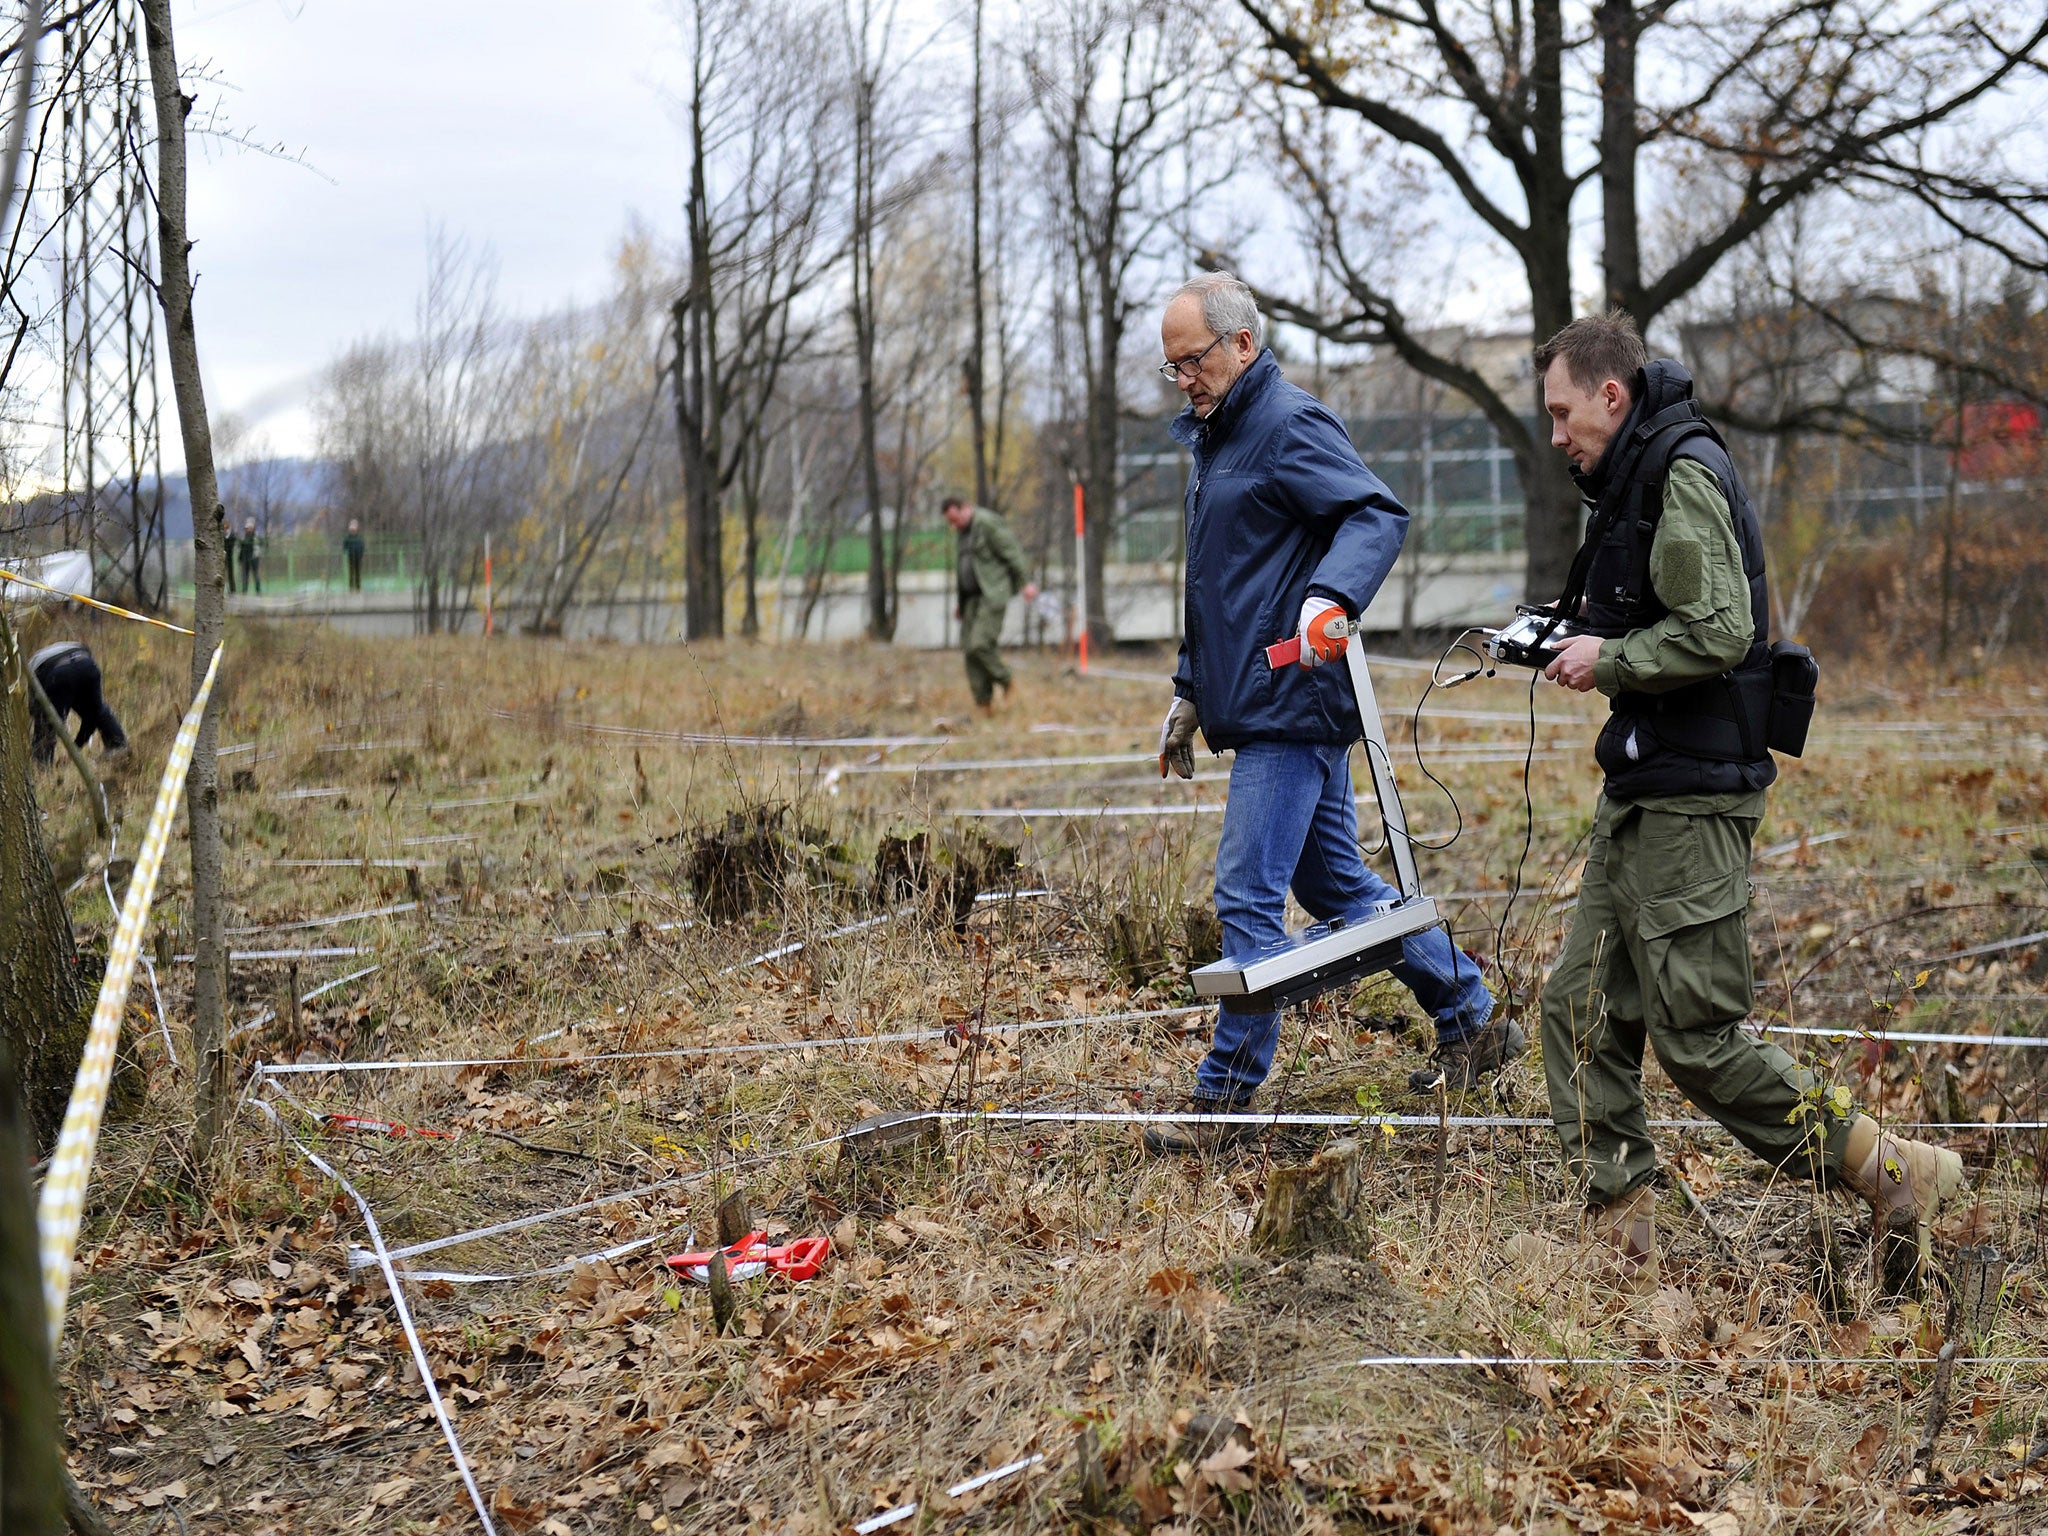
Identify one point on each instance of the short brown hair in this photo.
(1596, 348)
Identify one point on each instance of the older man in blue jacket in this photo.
(1287, 533)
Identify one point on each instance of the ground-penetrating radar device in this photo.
(1362, 943)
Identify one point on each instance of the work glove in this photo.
(1177, 739)
(1325, 631)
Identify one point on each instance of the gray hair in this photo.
(1227, 305)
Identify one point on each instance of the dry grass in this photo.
(997, 1292)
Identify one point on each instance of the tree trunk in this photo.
(750, 506)
(880, 625)
(1622, 260)
(43, 1017)
(32, 1492)
(43, 1009)
(1098, 475)
(978, 354)
(1553, 518)
(700, 407)
(209, 576)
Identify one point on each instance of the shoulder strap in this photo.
(1651, 473)
(1680, 419)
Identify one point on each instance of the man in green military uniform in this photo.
(1669, 589)
(991, 571)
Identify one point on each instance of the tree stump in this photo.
(1318, 1206)
(735, 1218)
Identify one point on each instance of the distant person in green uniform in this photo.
(250, 548)
(992, 570)
(352, 547)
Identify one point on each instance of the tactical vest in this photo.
(1708, 737)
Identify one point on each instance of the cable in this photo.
(1373, 851)
(1500, 932)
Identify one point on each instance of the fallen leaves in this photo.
(157, 1497)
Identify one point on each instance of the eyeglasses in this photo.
(1187, 367)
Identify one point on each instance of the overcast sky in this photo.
(537, 130)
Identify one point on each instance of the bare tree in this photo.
(416, 428)
(977, 273)
(879, 128)
(764, 158)
(1125, 102)
(591, 390)
(209, 577)
(1750, 108)
(919, 333)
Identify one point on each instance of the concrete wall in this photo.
(1143, 604)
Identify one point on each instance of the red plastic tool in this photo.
(389, 1128)
(1283, 653)
(1286, 653)
(752, 1256)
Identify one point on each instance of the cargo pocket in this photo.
(1692, 869)
(1694, 873)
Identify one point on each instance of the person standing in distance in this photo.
(1670, 589)
(1287, 533)
(252, 556)
(992, 569)
(352, 550)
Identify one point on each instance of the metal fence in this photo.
(1453, 473)
(315, 562)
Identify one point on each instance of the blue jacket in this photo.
(1279, 506)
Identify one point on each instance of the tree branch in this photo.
(1318, 80)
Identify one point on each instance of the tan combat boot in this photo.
(1905, 1183)
(1628, 1227)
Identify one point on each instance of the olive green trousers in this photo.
(981, 633)
(1659, 952)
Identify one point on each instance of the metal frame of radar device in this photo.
(1361, 943)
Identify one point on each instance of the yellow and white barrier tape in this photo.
(91, 602)
(63, 1200)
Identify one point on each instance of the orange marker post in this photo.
(1081, 572)
(487, 586)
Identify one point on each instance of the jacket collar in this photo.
(1188, 429)
(1663, 383)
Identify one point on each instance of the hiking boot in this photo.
(1627, 1227)
(1462, 1064)
(1905, 1183)
(1183, 1138)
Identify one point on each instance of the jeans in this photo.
(1291, 820)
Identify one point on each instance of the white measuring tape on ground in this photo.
(319, 952)
(1729, 1363)
(369, 914)
(783, 951)
(1894, 1036)
(1985, 949)
(995, 764)
(382, 1259)
(738, 1048)
(63, 1197)
(1064, 1117)
(713, 739)
(322, 990)
(902, 1512)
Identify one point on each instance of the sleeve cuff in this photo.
(1336, 597)
(1607, 668)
